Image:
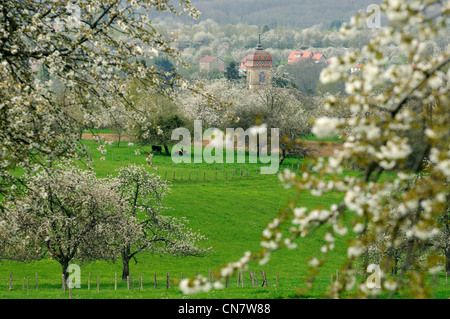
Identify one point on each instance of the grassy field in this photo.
(230, 210)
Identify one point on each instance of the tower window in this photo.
(262, 78)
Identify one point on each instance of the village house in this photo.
(211, 63)
(242, 65)
(318, 58)
(297, 56)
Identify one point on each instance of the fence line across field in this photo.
(233, 174)
(171, 282)
(129, 282)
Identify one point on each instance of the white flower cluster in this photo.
(325, 127)
(193, 286)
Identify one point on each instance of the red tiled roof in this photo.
(306, 54)
(259, 58)
(317, 56)
(292, 58)
(294, 54)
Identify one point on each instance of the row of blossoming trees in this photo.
(69, 214)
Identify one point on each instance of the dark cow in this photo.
(156, 149)
(181, 152)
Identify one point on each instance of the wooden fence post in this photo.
(238, 280)
(264, 279)
(37, 282)
(337, 275)
(89, 281)
(168, 280)
(132, 283)
(10, 281)
(242, 279)
(251, 278)
(128, 282)
(115, 281)
(70, 292)
(155, 284)
(98, 283)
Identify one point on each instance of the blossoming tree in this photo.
(143, 193)
(67, 214)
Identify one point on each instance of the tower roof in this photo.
(259, 57)
(259, 46)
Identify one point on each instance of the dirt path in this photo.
(325, 149)
(107, 137)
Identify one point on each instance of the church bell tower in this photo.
(259, 68)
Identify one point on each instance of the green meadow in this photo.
(229, 209)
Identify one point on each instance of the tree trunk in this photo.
(447, 260)
(118, 140)
(395, 268)
(125, 263)
(166, 149)
(65, 270)
(283, 155)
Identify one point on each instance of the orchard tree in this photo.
(67, 214)
(143, 194)
(281, 108)
(195, 107)
(163, 116)
(379, 145)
